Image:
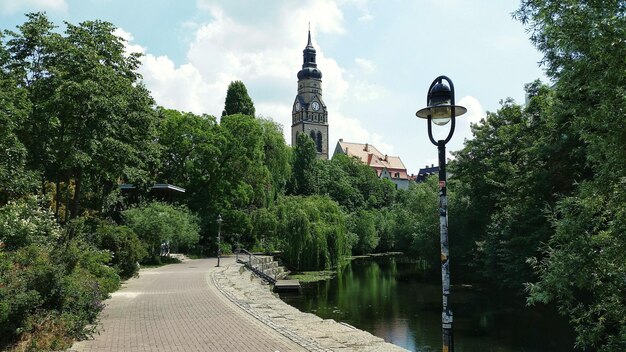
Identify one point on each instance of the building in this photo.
(309, 114)
(386, 166)
(425, 172)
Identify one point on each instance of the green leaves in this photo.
(237, 100)
(156, 223)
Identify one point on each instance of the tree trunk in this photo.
(43, 184)
(67, 198)
(76, 202)
(58, 197)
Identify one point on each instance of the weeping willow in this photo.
(313, 231)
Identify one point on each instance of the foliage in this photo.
(582, 270)
(313, 232)
(23, 223)
(126, 248)
(92, 121)
(304, 160)
(363, 224)
(416, 221)
(155, 223)
(237, 100)
(45, 284)
(15, 178)
(584, 267)
(277, 158)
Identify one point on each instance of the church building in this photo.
(309, 114)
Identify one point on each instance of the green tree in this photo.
(416, 221)
(277, 158)
(15, 178)
(31, 54)
(582, 272)
(156, 223)
(237, 100)
(304, 157)
(313, 232)
(363, 224)
(92, 121)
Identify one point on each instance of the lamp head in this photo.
(219, 218)
(440, 105)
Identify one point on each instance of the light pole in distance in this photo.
(440, 111)
(219, 237)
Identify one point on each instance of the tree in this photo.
(277, 158)
(313, 232)
(15, 178)
(92, 121)
(363, 224)
(31, 53)
(582, 270)
(304, 157)
(237, 100)
(156, 223)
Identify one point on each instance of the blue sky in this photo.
(378, 58)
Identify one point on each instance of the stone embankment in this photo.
(252, 295)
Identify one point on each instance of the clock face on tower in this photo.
(315, 105)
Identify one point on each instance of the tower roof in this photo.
(309, 66)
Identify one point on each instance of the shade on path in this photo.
(177, 308)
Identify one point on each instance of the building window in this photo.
(319, 141)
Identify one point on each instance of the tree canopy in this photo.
(237, 100)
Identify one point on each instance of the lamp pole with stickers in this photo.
(440, 111)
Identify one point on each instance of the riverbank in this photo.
(313, 333)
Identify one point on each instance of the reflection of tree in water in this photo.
(391, 298)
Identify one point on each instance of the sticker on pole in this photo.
(442, 184)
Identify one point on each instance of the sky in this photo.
(378, 58)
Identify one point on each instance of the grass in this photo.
(312, 276)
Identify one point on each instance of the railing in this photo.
(253, 264)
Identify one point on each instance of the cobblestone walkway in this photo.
(178, 308)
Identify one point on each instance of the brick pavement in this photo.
(177, 308)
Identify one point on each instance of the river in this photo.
(390, 298)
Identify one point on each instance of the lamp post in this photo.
(219, 237)
(440, 111)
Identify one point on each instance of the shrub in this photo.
(50, 291)
(155, 223)
(23, 222)
(125, 246)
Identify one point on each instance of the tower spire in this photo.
(309, 42)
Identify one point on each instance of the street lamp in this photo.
(219, 237)
(440, 111)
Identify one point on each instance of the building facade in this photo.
(309, 114)
(386, 166)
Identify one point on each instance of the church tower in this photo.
(309, 113)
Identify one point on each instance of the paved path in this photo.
(178, 308)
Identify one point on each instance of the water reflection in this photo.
(390, 298)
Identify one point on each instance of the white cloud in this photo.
(364, 91)
(351, 130)
(227, 49)
(365, 65)
(129, 47)
(475, 111)
(9, 7)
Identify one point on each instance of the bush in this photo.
(155, 223)
(23, 222)
(50, 291)
(125, 246)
